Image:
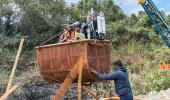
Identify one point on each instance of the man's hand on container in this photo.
(93, 71)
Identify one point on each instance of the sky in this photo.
(132, 6)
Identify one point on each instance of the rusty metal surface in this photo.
(57, 60)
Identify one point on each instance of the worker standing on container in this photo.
(77, 30)
(64, 36)
(120, 76)
(69, 33)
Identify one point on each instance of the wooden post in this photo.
(112, 98)
(117, 98)
(67, 82)
(8, 92)
(15, 64)
(80, 78)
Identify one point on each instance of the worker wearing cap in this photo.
(72, 32)
(120, 76)
(79, 35)
(69, 33)
(65, 34)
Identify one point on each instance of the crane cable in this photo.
(51, 38)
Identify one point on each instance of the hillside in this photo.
(134, 40)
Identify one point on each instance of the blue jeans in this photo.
(128, 96)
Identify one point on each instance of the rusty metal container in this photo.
(55, 61)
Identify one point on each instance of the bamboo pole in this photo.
(8, 92)
(15, 65)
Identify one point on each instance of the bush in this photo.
(8, 48)
(152, 78)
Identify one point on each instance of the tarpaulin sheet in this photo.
(165, 67)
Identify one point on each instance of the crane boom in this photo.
(157, 18)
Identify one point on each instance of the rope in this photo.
(51, 38)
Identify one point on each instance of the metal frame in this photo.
(158, 20)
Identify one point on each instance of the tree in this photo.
(86, 5)
(112, 11)
(1, 26)
(7, 13)
(168, 19)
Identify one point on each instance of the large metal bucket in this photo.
(55, 61)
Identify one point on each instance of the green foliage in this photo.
(162, 54)
(112, 11)
(157, 79)
(168, 19)
(4, 73)
(150, 76)
(1, 26)
(134, 28)
(118, 32)
(8, 48)
(121, 32)
(152, 79)
(142, 62)
(133, 36)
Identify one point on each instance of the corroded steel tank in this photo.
(55, 61)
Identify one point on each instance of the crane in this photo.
(157, 19)
(160, 23)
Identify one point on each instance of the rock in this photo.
(37, 89)
(162, 95)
